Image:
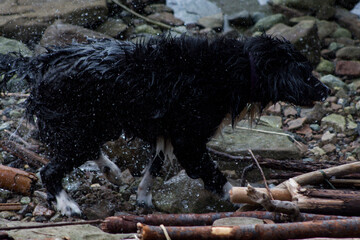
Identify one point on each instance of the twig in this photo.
(45, 225)
(271, 132)
(262, 174)
(160, 24)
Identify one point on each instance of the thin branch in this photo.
(262, 174)
(160, 24)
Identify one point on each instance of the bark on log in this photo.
(10, 207)
(23, 153)
(17, 180)
(239, 194)
(331, 228)
(127, 223)
(318, 177)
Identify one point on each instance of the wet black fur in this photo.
(181, 88)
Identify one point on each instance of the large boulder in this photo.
(27, 19)
(303, 35)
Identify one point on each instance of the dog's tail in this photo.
(12, 64)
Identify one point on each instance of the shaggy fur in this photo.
(177, 90)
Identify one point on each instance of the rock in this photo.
(85, 231)
(181, 194)
(236, 221)
(269, 21)
(303, 35)
(157, 7)
(126, 177)
(328, 137)
(336, 121)
(191, 11)
(317, 151)
(315, 127)
(24, 21)
(326, 28)
(296, 20)
(329, 148)
(325, 66)
(323, 9)
(61, 34)
(42, 211)
(144, 28)
(354, 85)
(25, 200)
(341, 33)
(348, 20)
(296, 124)
(290, 111)
(350, 68)
(349, 53)
(333, 82)
(10, 45)
(274, 109)
(166, 18)
(113, 28)
(7, 214)
(271, 121)
(242, 18)
(334, 46)
(238, 141)
(214, 21)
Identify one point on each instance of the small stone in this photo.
(329, 148)
(272, 121)
(274, 109)
(166, 18)
(25, 200)
(341, 32)
(5, 125)
(334, 46)
(349, 53)
(290, 111)
(328, 137)
(351, 68)
(317, 151)
(336, 121)
(315, 127)
(335, 106)
(7, 214)
(126, 177)
(325, 66)
(95, 185)
(332, 82)
(43, 211)
(269, 21)
(297, 123)
(144, 28)
(214, 21)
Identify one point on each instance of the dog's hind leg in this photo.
(194, 158)
(109, 169)
(51, 176)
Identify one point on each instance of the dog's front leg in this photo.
(194, 158)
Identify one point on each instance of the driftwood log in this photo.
(17, 180)
(330, 228)
(127, 223)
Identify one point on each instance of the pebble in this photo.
(315, 127)
(25, 200)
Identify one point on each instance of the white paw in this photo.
(109, 169)
(144, 199)
(226, 188)
(66, 205)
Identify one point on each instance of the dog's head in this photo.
(279, 72)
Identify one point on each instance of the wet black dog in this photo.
(172, 92)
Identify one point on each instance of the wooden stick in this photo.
(160, 24)
(127, 223)
(10, 207)
(331, 228)
(23, 153)
(318, 176)
(262, 174)
(45, 225)
(239, 194)
(17, 180)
